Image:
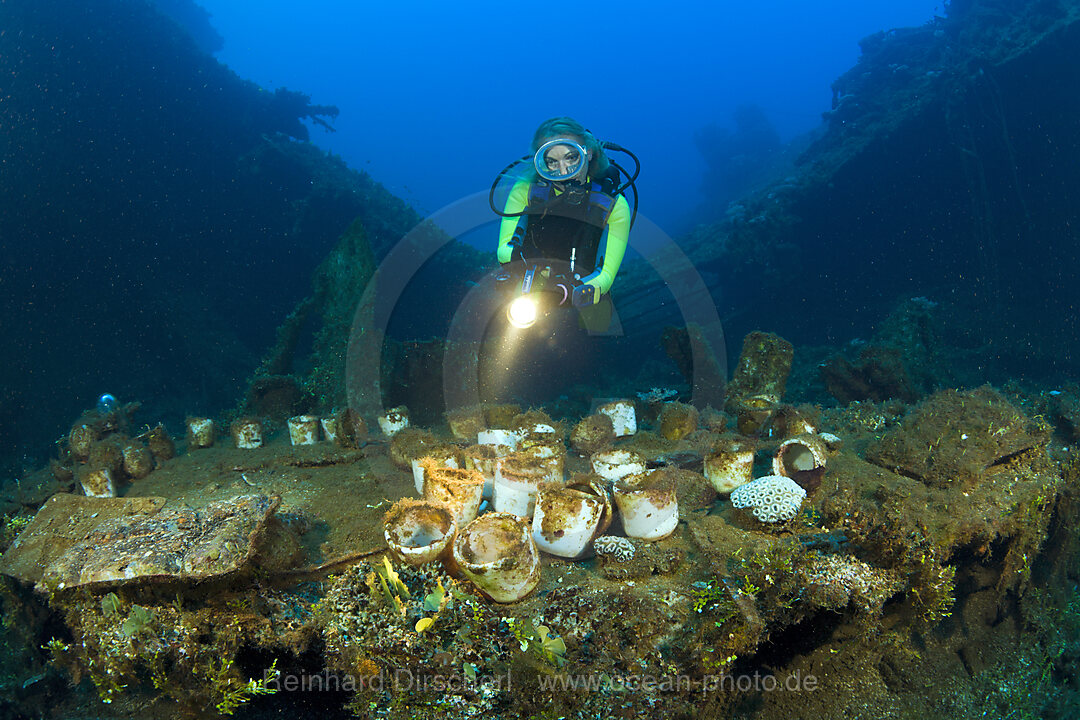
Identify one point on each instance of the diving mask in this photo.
(560, 160)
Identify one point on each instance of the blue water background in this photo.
(436, 97)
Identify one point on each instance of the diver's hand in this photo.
(586, 294)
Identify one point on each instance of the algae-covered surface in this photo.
(336, 497)
(62, 522)
(881, 579)
(172, 544)
(958, 437)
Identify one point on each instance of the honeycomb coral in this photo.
(771, 499)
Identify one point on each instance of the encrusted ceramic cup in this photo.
(350, 430)
(800, 454)
(247, 433)
(802, 458)
(461, 491)
(161, 443)
(730, 465)
(303, 430)
(623, 416)
(787, 422)
(394, 421)
(98, 483)
(648, 505)
(614, 464)
(81, 440)
(498, 436)
(483, 458)
(537, 434)
(138, 460)
(466, 422)
(753, 412)
(497, 553)
(518, 476)
(565, 520)
(329, 428)
(598, 488)
(200, 432)
(418, 532)
(447, 458)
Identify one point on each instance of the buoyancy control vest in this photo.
(569, 221)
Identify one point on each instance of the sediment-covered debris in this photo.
(957, 436)
(172, 544)
(63, 522)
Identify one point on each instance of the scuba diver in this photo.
(558, 215)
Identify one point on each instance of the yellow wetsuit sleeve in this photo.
(618, 235)
(515, 203)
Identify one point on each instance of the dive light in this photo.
(552, 288)
(522, 312)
